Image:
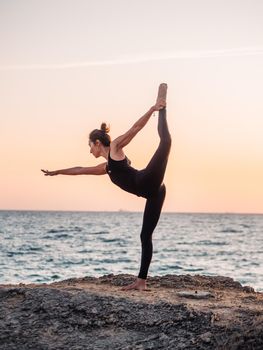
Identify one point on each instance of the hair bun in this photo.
(105, 128)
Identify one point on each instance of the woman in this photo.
(147, 183)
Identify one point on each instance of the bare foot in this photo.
(139, 284)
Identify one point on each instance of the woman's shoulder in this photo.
(115, 153)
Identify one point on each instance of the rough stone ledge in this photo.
(93, 313)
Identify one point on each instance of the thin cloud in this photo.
(133, 59)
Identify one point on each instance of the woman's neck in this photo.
(105, 152)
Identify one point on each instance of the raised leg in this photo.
(151, 178)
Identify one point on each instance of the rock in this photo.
(195, 294)
(248, 289)
(206, 337)
(57, 317)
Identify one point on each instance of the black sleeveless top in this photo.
(122, 174)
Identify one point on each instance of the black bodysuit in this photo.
(122, 174)
(147, 183)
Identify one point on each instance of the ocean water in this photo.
(51, 246)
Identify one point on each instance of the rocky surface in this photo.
(94, 313)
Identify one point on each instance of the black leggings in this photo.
(150, 180)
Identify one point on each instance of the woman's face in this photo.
(94, 148)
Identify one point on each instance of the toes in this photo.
(133, 286)
(130, 286)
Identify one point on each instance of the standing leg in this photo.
(150, 219)
(151, 216)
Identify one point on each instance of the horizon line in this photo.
(139, 58)
(134, 211)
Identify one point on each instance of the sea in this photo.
(49, 246)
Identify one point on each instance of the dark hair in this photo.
(101, 135)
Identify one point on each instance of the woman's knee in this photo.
(167, 141)
(162, 191)
(165, 144)
(146, 240)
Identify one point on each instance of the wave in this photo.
(99, 233)
(208, 242)
(71, 262)
(113, 240)
(170, 267)
(35, 249)
(194, 269)
(230, 230)
(12, 253)
(24, 251)
(64, 230)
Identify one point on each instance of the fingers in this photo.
(46, 172)
(160, 104)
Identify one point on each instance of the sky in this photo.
(68, 65)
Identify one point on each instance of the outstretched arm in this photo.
(126, 138)
(93, 170)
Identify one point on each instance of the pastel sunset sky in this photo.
(68, 65)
